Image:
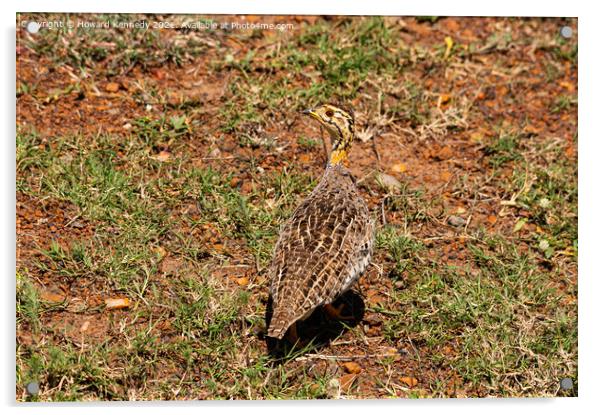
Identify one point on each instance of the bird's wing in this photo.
(317, 248)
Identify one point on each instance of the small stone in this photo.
(333, 389)
(566, 32)
(33, 388)
(216, 152)
(456, 221)
(388, 182)
(400, 284)
(566, 384)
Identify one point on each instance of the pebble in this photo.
(456, 221)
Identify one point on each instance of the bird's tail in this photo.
(282, 319)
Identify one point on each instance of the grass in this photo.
(488, 309)
(120, 50)
(110, 193)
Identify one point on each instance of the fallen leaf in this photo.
(315, 388)
(449, 44)
(519, 225)
(163, 156)
(170, 265)
(410, 381)
(158, 73)
(160, 252)
(305, 158)
(390, 351)
(531, 130)
(112, 87)
(235, 181)
(346, 382)
(444, 154)
(117, 303)
(492, 219)
(247, 187)
(376, 300)
(570, 151)
(242, 281)
(445, 176)
(476, 137)
(399, 168)
(218, 248)
(443, 100)
(52, 296)
(352, 367)
(447, 350)
(567, 85)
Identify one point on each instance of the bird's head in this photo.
(339, 124)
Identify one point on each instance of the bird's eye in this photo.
(329, 113)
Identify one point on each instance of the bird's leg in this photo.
(336, 313)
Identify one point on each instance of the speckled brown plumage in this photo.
(322, 249)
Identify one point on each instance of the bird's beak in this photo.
(311, 113)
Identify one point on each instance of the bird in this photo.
(326, 244)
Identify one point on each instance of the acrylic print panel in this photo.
(160, 162)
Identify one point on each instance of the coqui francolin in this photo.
(326, 244)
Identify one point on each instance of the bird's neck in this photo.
(337, 157)
(340, 148)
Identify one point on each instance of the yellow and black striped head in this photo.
(339, 124)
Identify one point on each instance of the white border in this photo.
(590, 231)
